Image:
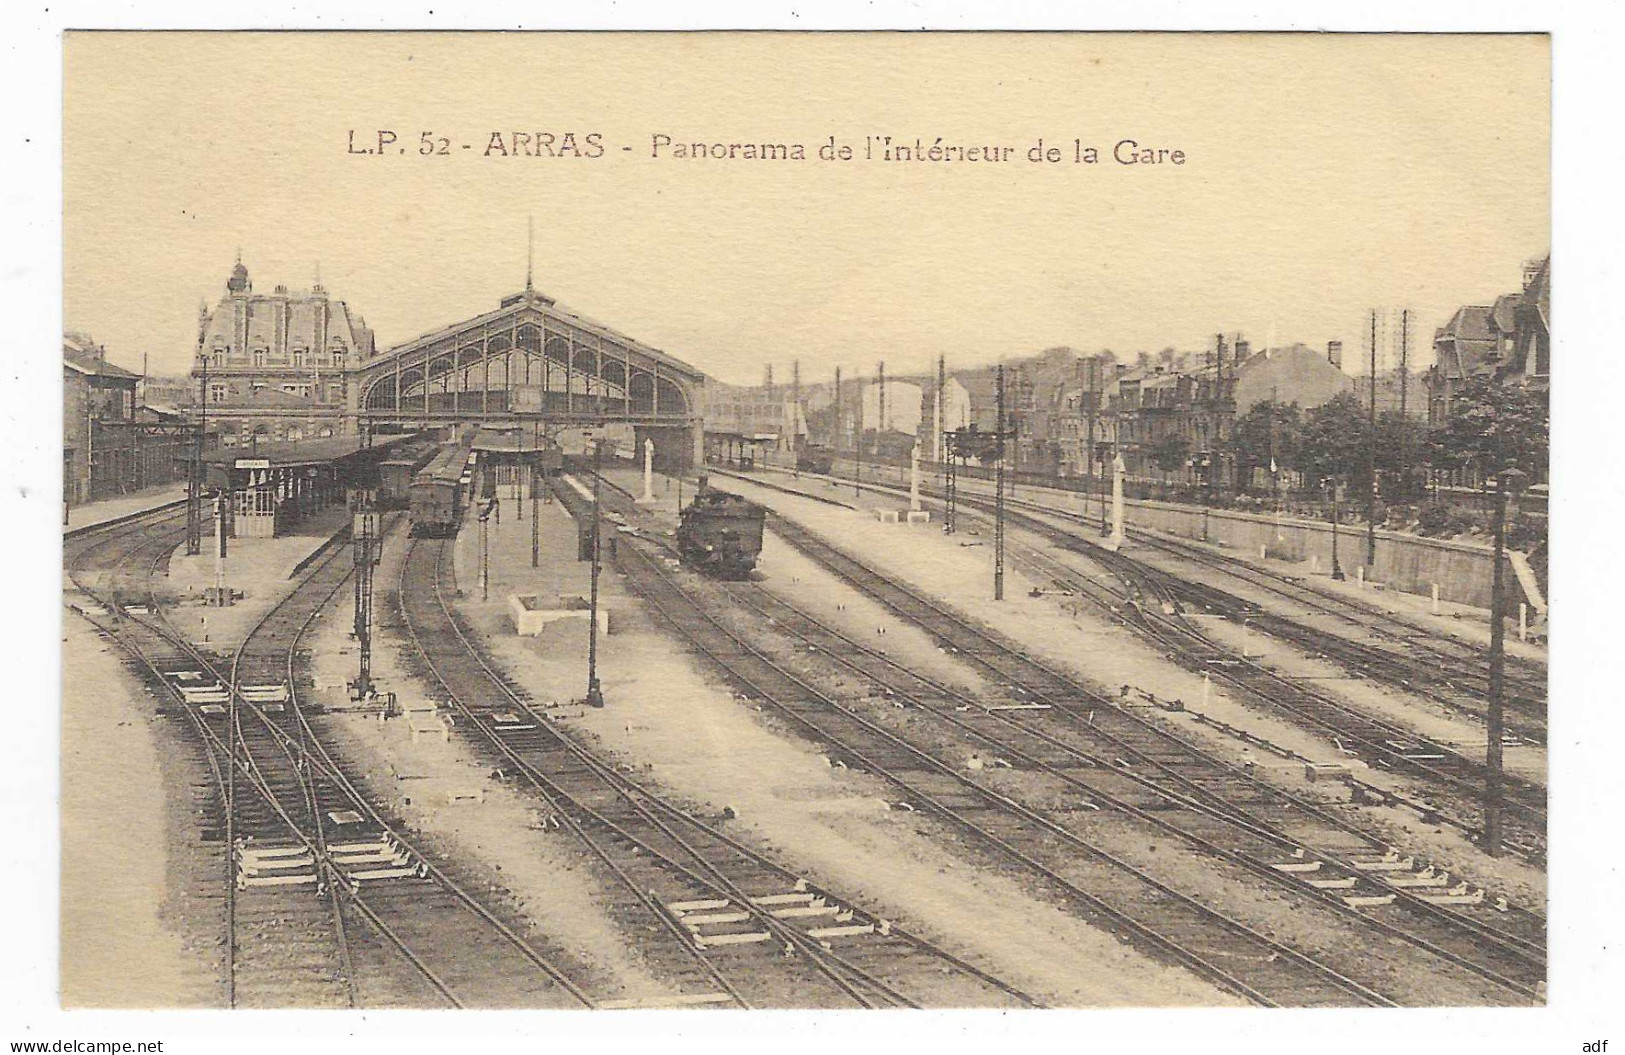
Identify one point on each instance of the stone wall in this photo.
(1403, 562)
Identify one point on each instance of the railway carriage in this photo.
(437, 493)
(395, 475)
(720, 533)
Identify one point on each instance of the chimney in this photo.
(1243, 348)
(1334, 353)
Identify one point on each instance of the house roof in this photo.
(1471, 322)
(1461, 343)
(1503, 314)
(77, 359)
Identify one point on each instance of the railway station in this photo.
(536, 584)
(273, 488)
(547, 668)
(606, 598)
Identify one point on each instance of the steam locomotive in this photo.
(720, 533)
(814, 459)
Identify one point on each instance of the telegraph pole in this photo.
(795, 402)
(998, 495)
(937, 448)
(1404, 379)
(880, 379)
(838, 439)
(1371, 457)
(857, 481)
(595, 694)
(194, 486)
(1092, 372)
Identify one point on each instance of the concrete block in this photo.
(1317, 771)
(427, 726)
(532, 615)
(919, 516)
(886, 516)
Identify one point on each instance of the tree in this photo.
(1334, 443)
(1494, 427)
(1267, 429)
(1170, 452)
(1142, 359)
(1402, 444)
(971, 442)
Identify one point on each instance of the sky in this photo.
(1324, 177)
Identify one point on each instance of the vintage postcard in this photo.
(805, 520)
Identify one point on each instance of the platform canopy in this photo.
(529, 360)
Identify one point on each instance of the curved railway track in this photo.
(1454, 777)
(308, 859)
(727, 918)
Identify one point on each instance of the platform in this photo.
(84, 517)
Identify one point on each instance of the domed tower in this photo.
(238, 282)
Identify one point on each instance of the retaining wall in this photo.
(1403, 562)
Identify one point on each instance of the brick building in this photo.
(110, 445)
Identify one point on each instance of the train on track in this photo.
(440, 491)
(814, 459)
(396, 473)
(720, 533)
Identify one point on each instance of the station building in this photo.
(276, 367)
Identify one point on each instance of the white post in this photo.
(1314, 563)
(1117, 499)
(1359, 574)
(1435, 598)
(1207, 687)
(1523, 621)
(648, 470)
(914, 478)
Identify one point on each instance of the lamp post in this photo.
(1337, 570)
(1505, 480)
(535, 481)
(485, 551)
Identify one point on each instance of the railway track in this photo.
(325, 901)
(719, 916)
(1128, 766)
(1286, 841)
(1103, 887)
(1454, 778)
(1387, 647)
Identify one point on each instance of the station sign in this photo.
(253, 463)
(528, 399)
